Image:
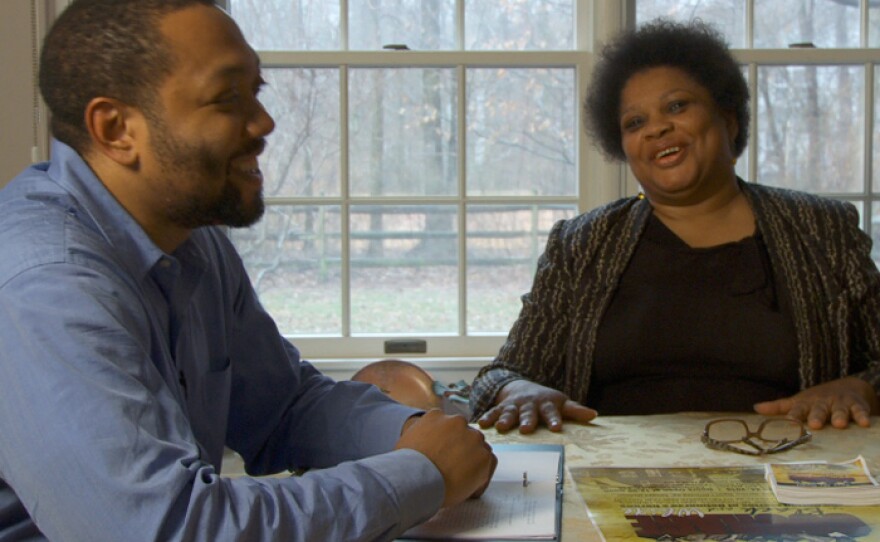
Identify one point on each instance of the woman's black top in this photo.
(694, 329)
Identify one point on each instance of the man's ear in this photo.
(114, 127)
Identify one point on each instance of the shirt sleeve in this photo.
(284, 414)
(97, 447)
(535, 346)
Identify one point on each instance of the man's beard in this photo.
(192, 210)
(228, 209)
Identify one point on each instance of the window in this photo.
(812, 70)
(423, 150)
(425, 147)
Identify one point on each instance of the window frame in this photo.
(598, 182)
(458, 355)
(867, 58)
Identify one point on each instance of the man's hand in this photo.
(525, 403)
(459, 452)
(837, 402)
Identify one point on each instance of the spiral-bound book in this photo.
(523, 500)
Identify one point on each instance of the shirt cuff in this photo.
(416, 482)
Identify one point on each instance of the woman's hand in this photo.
(837, 402)
(527, 404)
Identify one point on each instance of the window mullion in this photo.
(393, 59)
(343, 25)
(750, 23)
(868, 213)
(753, 114)
(583, 30)
(465, 339)
(459, 25)
(461, 130)
(345, 181)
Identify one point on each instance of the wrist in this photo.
(410, 421)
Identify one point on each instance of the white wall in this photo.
(16, 87)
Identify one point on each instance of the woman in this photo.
(702, 293)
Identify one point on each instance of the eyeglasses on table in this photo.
(772, 436)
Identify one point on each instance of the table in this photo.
(665, 440)
(673, 440)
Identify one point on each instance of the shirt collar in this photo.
(108, 216)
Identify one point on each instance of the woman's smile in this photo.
(676, 140)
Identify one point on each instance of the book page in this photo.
(507, 510)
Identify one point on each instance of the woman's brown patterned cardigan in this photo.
(815, 246)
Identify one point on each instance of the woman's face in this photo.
(678, 143)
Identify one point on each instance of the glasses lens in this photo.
(779, 430)
(727, 431)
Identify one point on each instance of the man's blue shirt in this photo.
(124, 371)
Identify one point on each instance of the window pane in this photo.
(294, 25)
(293, 259)
(810, 127)
(824, 23)
(404, 269)
(520, 25)
(419, 24)
(403, 133)
(521, 127)
(503, 245)
(302, 155)
(727, 16)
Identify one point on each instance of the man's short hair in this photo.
(109, 48)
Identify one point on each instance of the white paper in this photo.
(506, 510)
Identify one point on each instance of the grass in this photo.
(397, 301)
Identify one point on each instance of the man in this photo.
(132, 346)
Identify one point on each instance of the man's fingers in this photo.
(492, 467)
